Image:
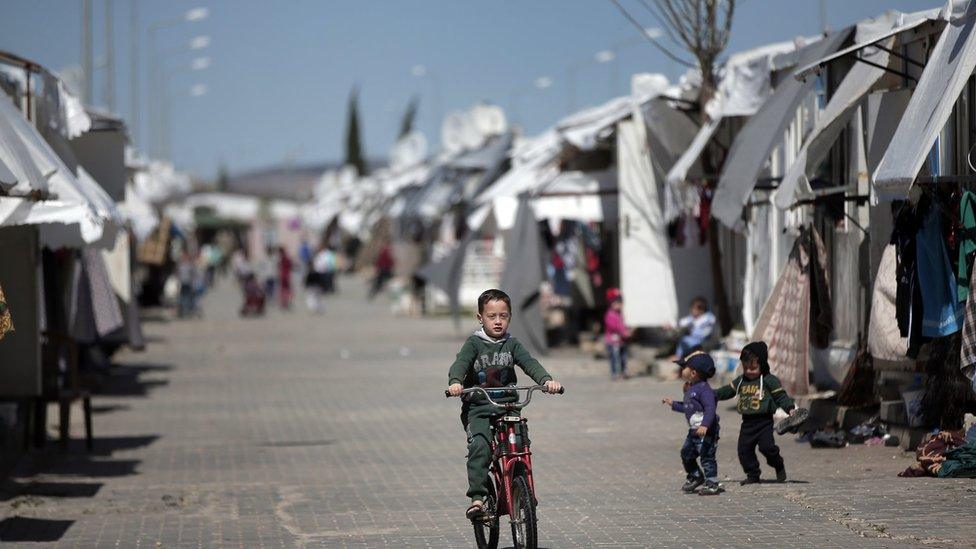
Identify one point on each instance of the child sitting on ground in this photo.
(760, 393)
(487, 359)
(699, 408)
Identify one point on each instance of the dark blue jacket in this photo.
(699, 399)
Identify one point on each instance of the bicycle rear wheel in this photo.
(524, 528)
(486, 528)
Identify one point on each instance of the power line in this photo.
(650, 38)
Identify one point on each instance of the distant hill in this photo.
(287, 182)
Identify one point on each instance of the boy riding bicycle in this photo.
(487, 359)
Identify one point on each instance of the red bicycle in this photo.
(510, 474)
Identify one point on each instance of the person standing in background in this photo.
(384, 269)
(284, 278)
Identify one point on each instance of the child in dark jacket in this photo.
(760, 393)
(699, 409)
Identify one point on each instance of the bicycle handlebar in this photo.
(509, 405)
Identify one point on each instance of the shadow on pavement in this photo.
(109, 408)
(13, 489)
(296, 443)
(33, 529)
(126, 380)
(83, 466)
(106, 446)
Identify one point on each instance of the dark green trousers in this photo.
(476, 419)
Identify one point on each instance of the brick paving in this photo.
(331, 431)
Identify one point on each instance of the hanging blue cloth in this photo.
(941, 314)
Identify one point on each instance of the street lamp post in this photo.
(610, 55)
(198, 64)
(422, 71)
(540, 83)
(190, 16)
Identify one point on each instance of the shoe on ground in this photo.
(781, 474)
(691, 485)
(750, 480)
(710, 489)
(791, 423)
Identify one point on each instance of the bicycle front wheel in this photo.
(524, 527)
(486, 527)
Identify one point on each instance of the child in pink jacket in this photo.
(615, 334)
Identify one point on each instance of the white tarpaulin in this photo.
(949, 67)
(577, 196)
(646, 277)
(80, 214)
(23, 151)
(756, 140)
(139, 213)
(743, 88)
(858, 82)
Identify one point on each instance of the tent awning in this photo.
(753, 145)
(815, 67)
(859, 81)
(949, 67)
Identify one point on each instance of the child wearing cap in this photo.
(760, 393)
(615, 334)
(699, 408)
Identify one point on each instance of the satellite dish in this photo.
(489, 120)
(410, 150)
(347, 176)
(327, 183)
(455, 132)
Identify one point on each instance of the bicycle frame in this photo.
(507, 456)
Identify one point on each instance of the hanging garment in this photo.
(941, 314)
(821, 311)
(95, 312)
(885, 342)
(967, 351)
(6, 322)
(966, 236)
(784, 323)
(908, 300)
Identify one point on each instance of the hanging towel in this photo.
(967, 351)
(784, 323)
(6, 322)
(885, 342)
(941, 313)
(967, 243)
(821, 311)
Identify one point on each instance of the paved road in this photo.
(322, 431)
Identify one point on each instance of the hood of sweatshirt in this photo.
(480, 334)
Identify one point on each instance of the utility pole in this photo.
(134, 71)
(109, 57)
(87, 63)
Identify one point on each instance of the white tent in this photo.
(949, 67)
(860, 80)
(78, 214)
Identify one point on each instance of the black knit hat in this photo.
(759, 350)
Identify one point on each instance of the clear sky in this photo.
(282, 70)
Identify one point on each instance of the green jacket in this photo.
(486, 362)
(760, 396)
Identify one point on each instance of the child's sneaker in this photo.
(710, 489)
(789, 424)
(781, 474)
(691, 485)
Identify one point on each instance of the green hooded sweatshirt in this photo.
(760, 396)
(486, 362)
